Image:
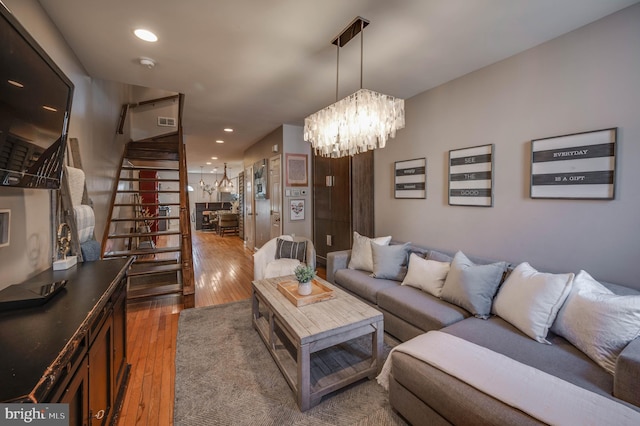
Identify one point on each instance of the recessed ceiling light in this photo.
(145, 35)
(15, 83)
(147, 62)
(219, 141)
(228, 130)
(214, 158)
(48, 108)
(208, 163)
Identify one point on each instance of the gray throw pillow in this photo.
(291, 250)
(472, 286)
(390, 262)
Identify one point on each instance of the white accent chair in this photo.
(265, 264)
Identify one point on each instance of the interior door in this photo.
(249, 218)
(275, 183)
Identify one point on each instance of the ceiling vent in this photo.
(166, 122)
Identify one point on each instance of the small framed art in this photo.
(296, 209)
(471, 176)
(410, 178)
(578, 166)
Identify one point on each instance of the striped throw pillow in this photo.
(291, 250)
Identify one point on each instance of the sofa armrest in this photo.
(627, 377)
(337, 260)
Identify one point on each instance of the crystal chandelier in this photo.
(225, 184)
(360, 122)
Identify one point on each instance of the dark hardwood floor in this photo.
(223, 270)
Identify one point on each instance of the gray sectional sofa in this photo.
(423, 394)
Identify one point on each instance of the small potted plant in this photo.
(304, 275)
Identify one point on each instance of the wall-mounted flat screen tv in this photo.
(35, 103)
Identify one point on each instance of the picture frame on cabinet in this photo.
(471, 176)
(575, 166)
(410, 178)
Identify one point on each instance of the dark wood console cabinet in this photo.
(72, 349)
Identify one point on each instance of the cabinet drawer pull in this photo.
(99, 415)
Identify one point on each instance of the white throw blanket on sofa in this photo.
(541, 395)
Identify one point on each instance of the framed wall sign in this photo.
(471, 176)
(296, 209)
(296, 170)
(260, 179)
(411, 178)
(580, 165)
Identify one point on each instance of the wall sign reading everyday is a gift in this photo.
(580, 165)
(471, 176)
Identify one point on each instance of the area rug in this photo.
(226, 376)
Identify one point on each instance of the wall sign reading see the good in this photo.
(471, 176)
(580, 165)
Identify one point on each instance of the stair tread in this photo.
(144, 204)
(142, 252)
(155, 291)
(140, 219)
(149, 179)
(142, 234)
(151, 168)
(146, 191)
(147, 269)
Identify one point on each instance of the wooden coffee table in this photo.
(309, 343)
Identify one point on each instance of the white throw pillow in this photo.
(596, 321)
(361, 256)
(530, 300)
(427, 275)
(280, 267)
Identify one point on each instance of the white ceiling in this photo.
(256, 64)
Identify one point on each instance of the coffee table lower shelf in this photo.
(320, 367)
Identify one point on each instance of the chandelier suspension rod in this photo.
(361, 49)
(337, 70)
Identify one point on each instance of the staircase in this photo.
(149, 215)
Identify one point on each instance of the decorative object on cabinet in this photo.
(63, 242)
(297, 170)
(410, 178)
(471, 176)
(296, 208)
(362, 121)
(575, 166)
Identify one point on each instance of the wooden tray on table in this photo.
(319, 292)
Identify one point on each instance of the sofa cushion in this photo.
(598, 322)
(419, 308)
(560, 359)
(361, 257)
(472, 286)
(439, 256)
(426, 275)
(361, 284)
(390, 262)
(530, 300)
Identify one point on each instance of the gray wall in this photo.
(294, 144)
(94, 116)
(585, 80)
